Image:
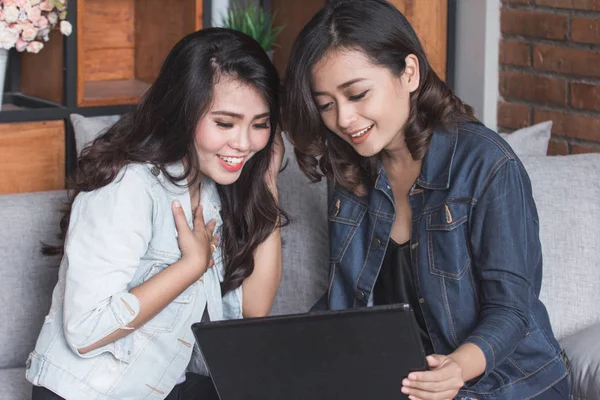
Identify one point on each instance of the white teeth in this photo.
(359, 134)
(232, 160)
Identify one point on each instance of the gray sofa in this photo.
(566, 189)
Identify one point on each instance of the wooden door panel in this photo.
(33, 156)
(428, 17)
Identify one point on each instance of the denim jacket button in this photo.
(360, 295)
(376, 243)
(155, 171)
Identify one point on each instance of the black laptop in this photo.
(351, 354)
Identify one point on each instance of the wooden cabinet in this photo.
(120, 46)
(114, 53)
(293, 15)
(33, 156)
(429, 18)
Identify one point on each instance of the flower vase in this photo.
(3, 64)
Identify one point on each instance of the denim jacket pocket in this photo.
(344, 218)
(447, 241)
(165, 320)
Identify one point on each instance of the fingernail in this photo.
(405, 382)
(412, 377)
(177, 204)
(405, 390)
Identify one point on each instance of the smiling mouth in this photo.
(233, 161)
(362, 133)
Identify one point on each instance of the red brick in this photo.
(516, 53)
(585, 96)
(513, 115)
(533, 24)
(581, 149)
(570, 124)
(566, 61)
(558, 148)
(585, 30)
(517, 85)
(591, 5)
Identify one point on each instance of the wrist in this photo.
(471, 360)
(192, 268)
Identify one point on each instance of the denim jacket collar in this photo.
(209, 195)
(436, 166)
(437, 163)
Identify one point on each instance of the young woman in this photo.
(136, 270)
(430, 207)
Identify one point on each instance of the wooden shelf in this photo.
(120, 49)
(109, 92)
(42, 74)
(19, 107)
(12, 107)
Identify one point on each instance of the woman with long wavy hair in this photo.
(175, 220)
(430, 208)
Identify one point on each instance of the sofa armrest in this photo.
(583, 351)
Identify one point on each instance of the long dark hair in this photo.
(378, 29)
(161, 131)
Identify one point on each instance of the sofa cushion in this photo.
(13, 384)
(28, 276)
(305, 247)
(88, 128)
(566, 191)
(583, 350)
(530, 141)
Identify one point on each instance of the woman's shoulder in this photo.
(484, 142)
(132, 183)
(478, 155)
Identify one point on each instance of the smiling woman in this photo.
(236, 127)
(441, 209)
(175, 220)
(367, 96)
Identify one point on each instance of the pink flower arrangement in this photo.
(26, 24)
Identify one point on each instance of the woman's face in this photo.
(363, 103)
(236, 127)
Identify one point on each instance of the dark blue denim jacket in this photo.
(476, 254)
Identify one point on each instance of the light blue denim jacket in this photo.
(120, 236)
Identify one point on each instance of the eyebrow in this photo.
(239, 116)
(344, 85)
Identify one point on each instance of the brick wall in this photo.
(550, 70)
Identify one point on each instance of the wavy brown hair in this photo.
(378, 29)
(161, 131)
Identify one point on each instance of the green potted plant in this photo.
(255, 22)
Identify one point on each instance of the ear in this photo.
(411, 76)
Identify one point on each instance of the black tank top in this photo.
(395, 284)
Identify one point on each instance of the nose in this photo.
(346, 116)
(240, 140)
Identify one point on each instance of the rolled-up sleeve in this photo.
(232, 304)
(505, 250)
(109, 232)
